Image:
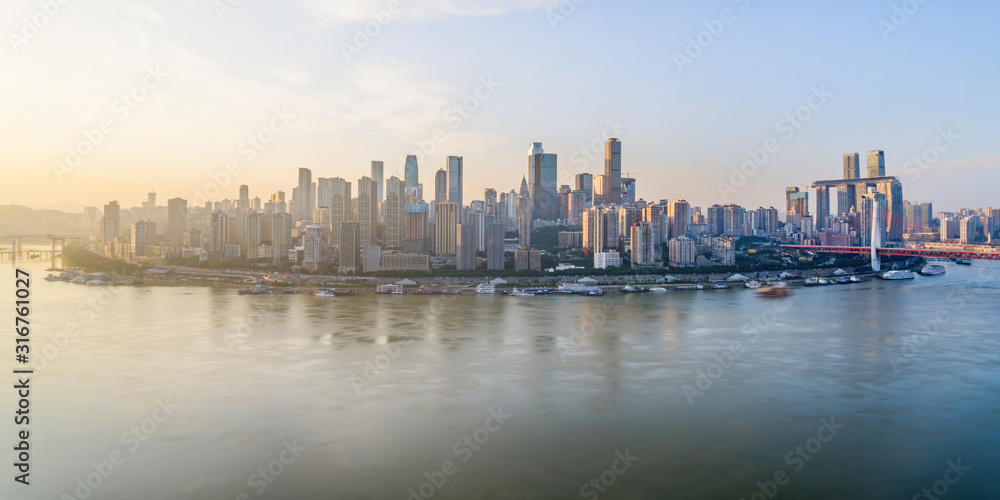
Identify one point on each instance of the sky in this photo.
(722, 101)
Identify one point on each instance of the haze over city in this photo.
(689, 89)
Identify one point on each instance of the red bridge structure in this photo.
(903, 252)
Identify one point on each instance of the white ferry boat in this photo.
(897, 275)
(486, 288)
(933, 270)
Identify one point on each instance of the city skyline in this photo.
(684, 125)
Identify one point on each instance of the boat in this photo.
(815, 282)
(390, 290)
(516, 292)
(97, 282)
(486, 288)
(255, 290)
(720, 286)
(697, 286)
(579, 289)
(332, 292)
(436, 290)
(842, 280)
(753, 284)
(963, 262)
(658, 289)
(52, 277)
(933, 270)
(897, 275)
(855, 279)
(633, 289)
(773, 291)
(79, 280)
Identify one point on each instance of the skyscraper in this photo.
(628, 191)
(244, 202)
(304, 201)
(455, 180)
(873, 208)
(678, 215)
(367, 212)
(340, 208)
(411, 172)
(852, 166)
(350, 250)
(643, 245)
(876, 163)
(395, 215)
(177, 218)
(378, 175)
(542, 180)
(110, 222)
(895, 212)
(441, 186)
(613, 171)
(445, 221)
(597, 197)
(465, 247)
(495, 246)
(585, 183)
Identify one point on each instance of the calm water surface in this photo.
(376, 391)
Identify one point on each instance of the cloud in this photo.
(351, 11)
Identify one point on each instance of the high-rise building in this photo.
(895, 215)
(527, 259)
(967, 229)
(367, 212)
(141, 237)
(876, 163)
(350, 249)
(627, 216)
(378, 176)
(304, 201)
(445, 219)
(873, 209)
(542, 180)
(110, 222)
(490, 198)
(628, 191)
(455, 180)
(585, 184)
(644, 248)
(218, 234)
(441, 186)
(655, 215)
(852, 166)
(598, 191)
(340, 208)
(395, 212)
(411, 172)
(590, 218)
(243, 204)
(716, 220)
(577, 205)
(417, 238)
(678, 217)
(314, 248)
(465, 247)
(495, 233)
(682, 252)
(734, 216)
(724, 250)
(613, 171)
(177, 218)
(796, 205)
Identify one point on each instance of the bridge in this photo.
(16, 252)
(903, 252)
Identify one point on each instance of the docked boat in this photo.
(516, 292)
(390, 290)
(752, 284)
(436, 290)
(98, 282)
(332, 292)
(579, 289)
(79, 280)
(933, 270)
(963, 262)
(658, 289)
(52, 277)
(697, 286)
(255, 290)
(773, 291)
(633, 289)
(486, 288)
(815, 282)
(720, 286)
(897, 275)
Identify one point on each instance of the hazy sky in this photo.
(208, 77)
